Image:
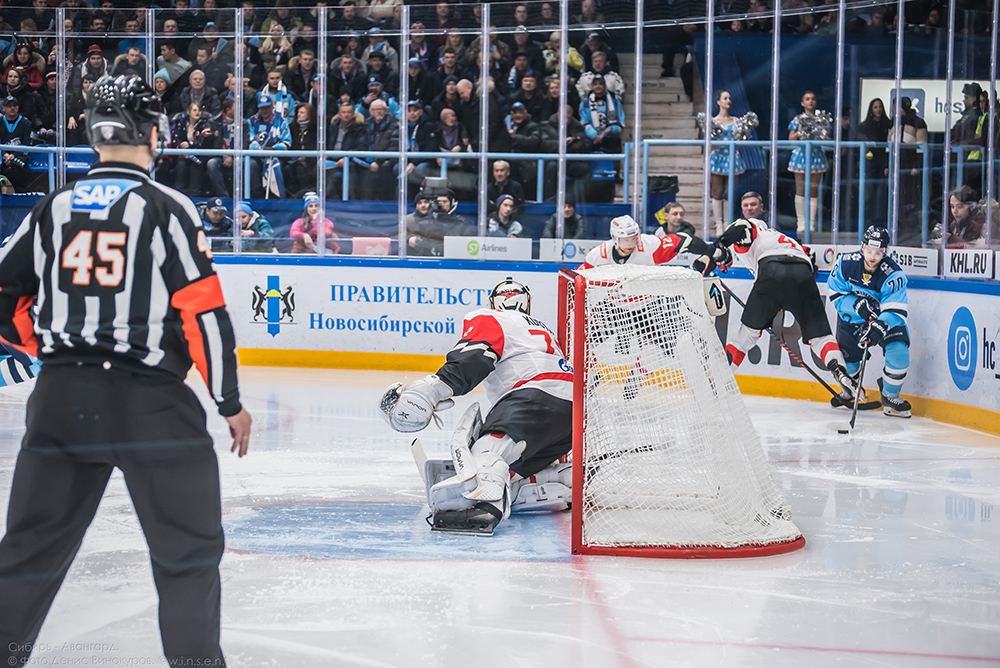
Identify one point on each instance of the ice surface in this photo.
(330, 562)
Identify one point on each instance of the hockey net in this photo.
(666, 462)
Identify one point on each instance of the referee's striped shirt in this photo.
(116, 267)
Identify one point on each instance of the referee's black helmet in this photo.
(122, 111)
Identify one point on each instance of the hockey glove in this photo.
(411, 408)
(867, 307)
(876, 332)
(722, 256)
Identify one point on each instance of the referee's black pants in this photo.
(82, 422)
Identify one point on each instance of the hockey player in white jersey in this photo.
(628, 246)
(510, 458)
(785, 279)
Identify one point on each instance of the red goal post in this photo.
(665, 460)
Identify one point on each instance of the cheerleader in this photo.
(725, 126)
(810, 124)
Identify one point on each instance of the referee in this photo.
(110, 282)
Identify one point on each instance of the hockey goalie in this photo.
(509, 460)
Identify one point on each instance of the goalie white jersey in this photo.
(506, 351)
(753, 240)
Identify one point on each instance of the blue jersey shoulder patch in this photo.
(99, 194)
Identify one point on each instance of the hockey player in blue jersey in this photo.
(869, 291)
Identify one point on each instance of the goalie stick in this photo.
(835, 400)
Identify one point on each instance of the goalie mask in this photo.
(509, 295)
(122, 111)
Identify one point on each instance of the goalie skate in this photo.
(480, 520)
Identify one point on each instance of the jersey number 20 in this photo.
(78, 256)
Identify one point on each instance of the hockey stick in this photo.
(860, 390)
(867, 406)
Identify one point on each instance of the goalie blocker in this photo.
(507, 460)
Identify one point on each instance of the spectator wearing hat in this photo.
(420, 86)
(594, 43)
(521, 41)
(165, 92)
(502, 185)
(530, 96)
(612, 80)
(258, 236)
(377, 65)
(602, 116)
(95, 65)
(170, 61)
(15, 130)
(963, 133)
(574, 225)
(376, 42)
(512, 82)
(448, 99)
(215, 221)
(348, 135)
(522, 138)
(298, 78)
(419, 226)
(421, 133)
(305, 229)
(376, 91)
(502, 222)
(421, 49)
(222, 51)
(267, 129)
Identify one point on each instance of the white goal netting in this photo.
(670, 458)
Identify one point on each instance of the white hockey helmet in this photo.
(624, 226)
(509, 295)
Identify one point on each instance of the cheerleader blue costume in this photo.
(719, 159)
(797, 163)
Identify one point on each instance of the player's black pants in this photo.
(82, 422)
(542, 421)
(787, 285)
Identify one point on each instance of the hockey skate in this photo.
(895, 406)
(848, 385)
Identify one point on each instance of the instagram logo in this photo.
(962, 348)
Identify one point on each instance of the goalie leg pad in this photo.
(549, 490)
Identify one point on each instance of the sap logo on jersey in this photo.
(99, 195)
(962, 348)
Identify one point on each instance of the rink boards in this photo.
(406, 314)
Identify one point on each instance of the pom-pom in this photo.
(716, 128)
(744, 125)
(815, 125)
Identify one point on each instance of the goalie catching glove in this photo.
(411, 408)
